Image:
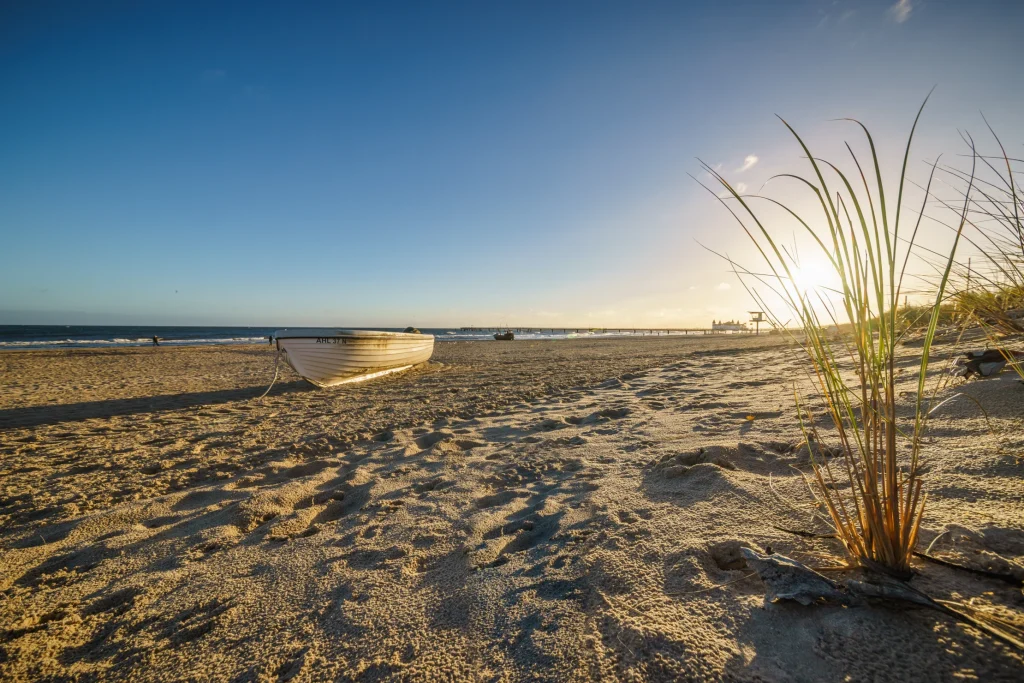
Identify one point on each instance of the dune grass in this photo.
(877, 517)
(990, 295)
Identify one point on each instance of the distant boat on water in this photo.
(329, 357)
(507, 335)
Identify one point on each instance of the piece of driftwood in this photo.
(787, 579)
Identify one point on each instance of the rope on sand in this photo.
(277, 369)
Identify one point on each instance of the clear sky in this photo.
(440, 163)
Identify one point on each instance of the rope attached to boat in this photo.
(277, 369)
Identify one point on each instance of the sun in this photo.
(813, 274)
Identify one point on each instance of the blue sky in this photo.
(441, 164)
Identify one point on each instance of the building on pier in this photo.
(728, 326)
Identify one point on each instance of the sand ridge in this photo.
(578, 528)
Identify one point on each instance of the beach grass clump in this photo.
(988, 293)
(915, 317)
(999, 307)
(851, 333)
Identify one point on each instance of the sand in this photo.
(563, 510)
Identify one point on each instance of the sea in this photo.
(110, 336)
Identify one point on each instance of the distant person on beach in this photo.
(156, 341)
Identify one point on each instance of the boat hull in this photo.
(328, 357)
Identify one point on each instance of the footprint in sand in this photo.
(343, 501)
(434, 484)
(292, 666)
(431, 439)
(552, 423)
(119, 601)
(196, 621)
(500, 498)
(565, 441)
(309, 468)
(426, 540)
(726, 555)
(531, 532)
(157, 522)
(59, 570)
(374, 559)
(748, 383)
(674, 465)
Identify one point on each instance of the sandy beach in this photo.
(566, 510)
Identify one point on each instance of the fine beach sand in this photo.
(563, 510)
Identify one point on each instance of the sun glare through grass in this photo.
(811, 275)
(861, 244)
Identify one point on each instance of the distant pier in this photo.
(605, 330)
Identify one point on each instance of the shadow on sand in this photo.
(35, 416)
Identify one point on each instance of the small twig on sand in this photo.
(935, 540)
(619, 638)
(801, 532)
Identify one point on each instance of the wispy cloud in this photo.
(829, 17)
(748, 163)
(723, 286)
(739, 187)
(900, 12)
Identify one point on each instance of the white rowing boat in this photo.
(328, 357)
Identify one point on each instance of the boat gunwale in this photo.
(333, 333)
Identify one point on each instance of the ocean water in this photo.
(101, 336)
(108, 336)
